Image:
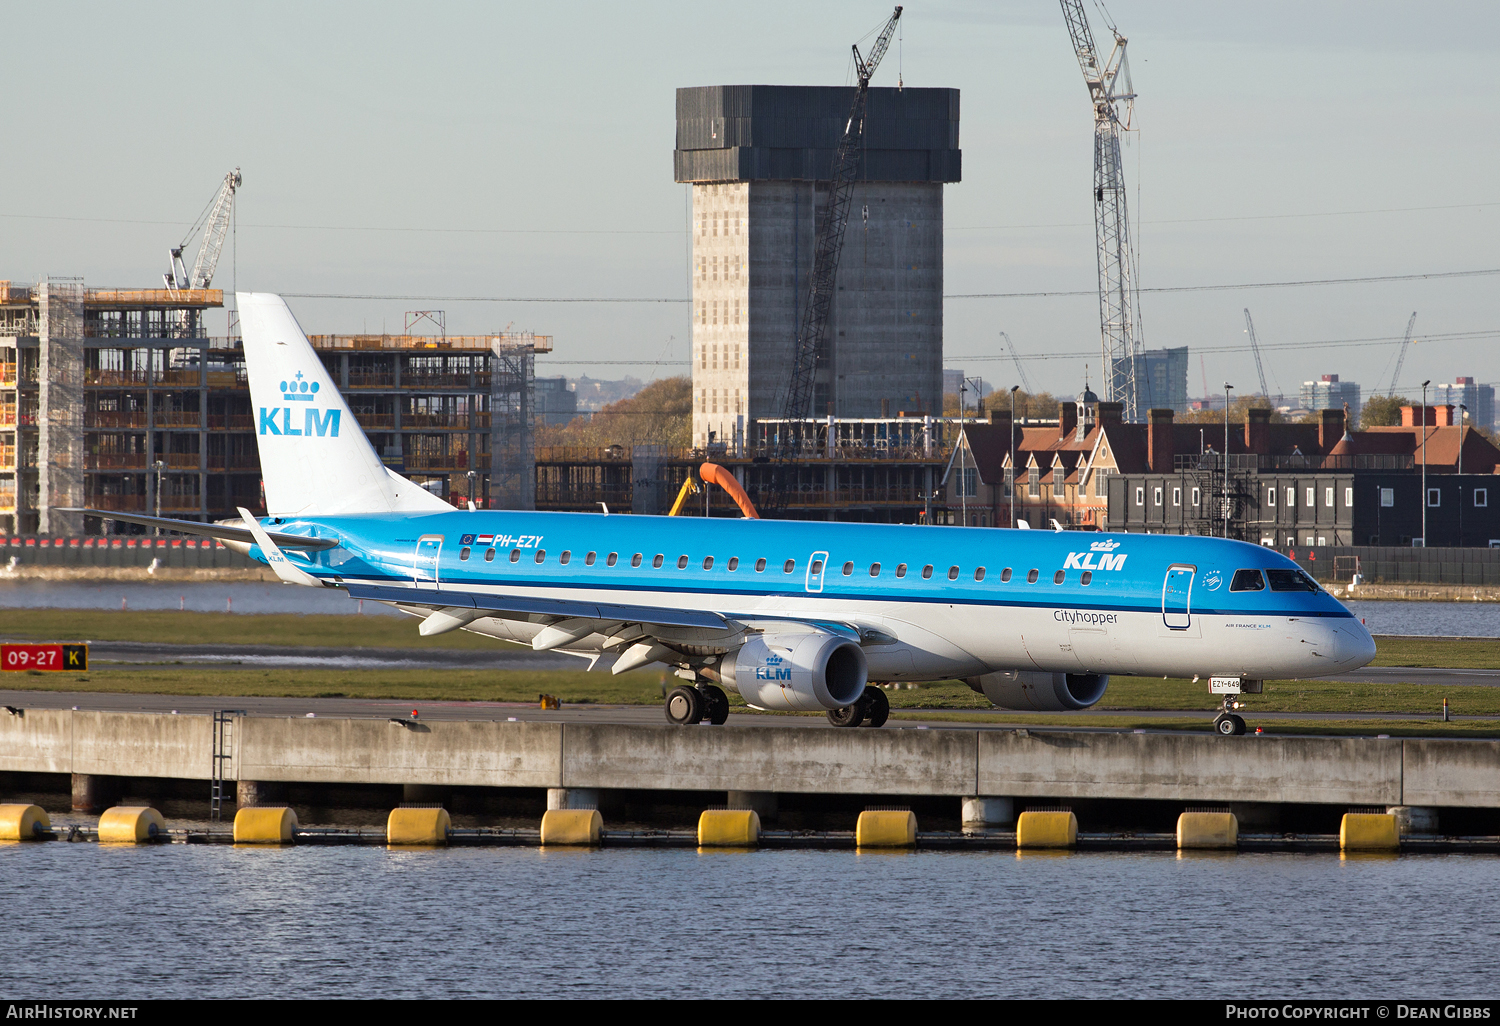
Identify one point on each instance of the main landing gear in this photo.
(872, 710)
(694, 704)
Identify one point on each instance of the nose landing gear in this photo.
(872, 709)
(1227, 723)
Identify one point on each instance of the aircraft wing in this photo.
(220, 531)
(518, 606)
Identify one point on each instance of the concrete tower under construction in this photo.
(758, 160)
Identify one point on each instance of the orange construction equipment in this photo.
(712, 473)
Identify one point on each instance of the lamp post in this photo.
(963, 493)
(158, 466)
(1424, 461)
(1013, 389)
(1227, 388)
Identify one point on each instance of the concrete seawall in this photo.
(938, 762)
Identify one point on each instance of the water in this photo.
(1430, 619)
(208, 598)
(84, 920)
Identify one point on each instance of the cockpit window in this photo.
(1247, 580)
(1291, 580)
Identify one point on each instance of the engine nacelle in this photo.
(802, 670)
(1034, 691)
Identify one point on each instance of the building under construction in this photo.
(119, 399)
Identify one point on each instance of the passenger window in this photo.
(979, 574)
(789, 566)
(848, 569)
(708, 562)
(489, 555)
(541, 554)
(1005, 575)
(874, 569)
(927, 572)
(682, 562)
(1057, 578)
(953, 573)
(657, 561)
(1031, 578)
(463, 553)
(734, 563)
(635, 560)
(515, 555)
(612, 559)
(566, 555)
(1247, 580)
(760, 565)
(1088, 575)
(900, 569)
(588, 560)
(817, 567)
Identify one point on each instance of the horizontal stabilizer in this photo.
(526, 606)
(220, 531)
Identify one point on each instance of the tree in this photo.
(1380, 411)
(1237, 412)
(659, 414)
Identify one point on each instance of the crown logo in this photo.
(774, 660)
(298, 390)
(1104, 546)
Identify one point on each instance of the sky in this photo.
(524, 152)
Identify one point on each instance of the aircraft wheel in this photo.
(877, 707)
(1224, 724)
(1239, 724)
(718, 704)
(849, 715)
(684, 706)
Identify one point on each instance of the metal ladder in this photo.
(223, 760)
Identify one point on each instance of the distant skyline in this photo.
(504, 150)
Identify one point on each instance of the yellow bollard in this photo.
(1208, 830)
(23, 823)
(131, 824)
(1046, 829)
(1360, 831)
(571, 826)
(886, 828)
(273, 825)
(418, 826)
(729, 828)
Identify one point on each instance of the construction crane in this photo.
(1113, 98)
(813, 330)
(1255, 348)
(1020, 371)
(214, 223)
(1400, 360)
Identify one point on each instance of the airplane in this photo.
(792, 615)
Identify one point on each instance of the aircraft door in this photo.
(424, 564)
(817, 564)
(1176, 597)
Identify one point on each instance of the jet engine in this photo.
(795, 670)
(1040, 692)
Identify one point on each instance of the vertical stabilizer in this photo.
(314, 459)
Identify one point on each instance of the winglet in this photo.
(289, 574)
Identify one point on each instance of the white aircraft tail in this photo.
(314, 459)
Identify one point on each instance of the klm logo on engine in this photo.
(773, 670)
(278, 420)
(1101, 556)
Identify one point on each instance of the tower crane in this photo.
(1113, 98)
(1405, 345)
(214, 223)
(1255, 348)
(812, 333)
(1020, 371)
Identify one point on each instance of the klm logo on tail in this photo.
(277, 420)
